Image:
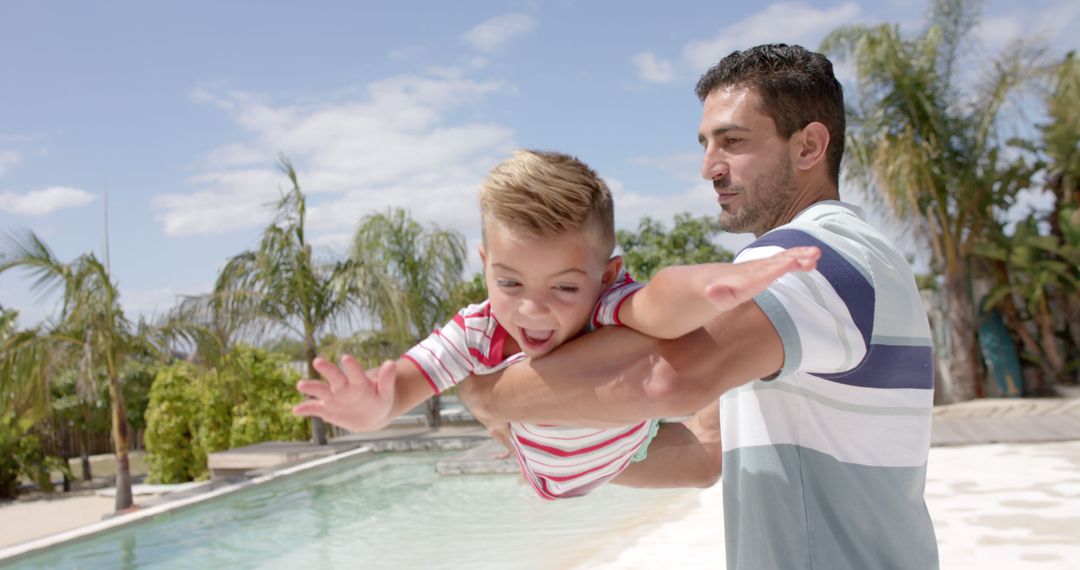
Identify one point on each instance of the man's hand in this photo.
(350, 398)
(498, 429)
(741, 282)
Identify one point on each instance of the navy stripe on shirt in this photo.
(852, 287)
(890, 366)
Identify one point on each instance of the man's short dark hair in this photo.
(796, 86)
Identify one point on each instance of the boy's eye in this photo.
(507, 283)
(567, 288)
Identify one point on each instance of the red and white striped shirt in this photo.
(558, 461)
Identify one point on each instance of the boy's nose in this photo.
(532, 308)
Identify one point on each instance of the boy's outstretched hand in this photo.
(350, 398)
(753, 277)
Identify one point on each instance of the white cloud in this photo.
(45, 201)
(783, 22)
(685, 167)
(1050, 23)
(393, 146)
(1000, 30)
(154, 303)
(496, 32)
(652, 69)
(8, 158)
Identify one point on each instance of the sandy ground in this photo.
(25, 520)
(1003, 506)
(995, 507)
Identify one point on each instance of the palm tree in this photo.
(206, 327)
(1039, 263)
(407, 275)
(934, 151)
(1061, 146)
(91, 331)
(281, 284)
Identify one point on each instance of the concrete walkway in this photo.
(1007, 420)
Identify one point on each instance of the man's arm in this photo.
(681, 455)
(619, 376)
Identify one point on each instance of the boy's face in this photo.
(543, 290)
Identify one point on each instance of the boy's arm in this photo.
(681, 455)
(617, 375)
(363, 401)
(682, 298)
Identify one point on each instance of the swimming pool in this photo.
(381, 511)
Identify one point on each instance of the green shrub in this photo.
(21, 455)
(265, 414)
(195, 413)
(171, 424)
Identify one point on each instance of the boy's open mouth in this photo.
(535, 338)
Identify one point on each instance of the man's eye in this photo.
(731, 141)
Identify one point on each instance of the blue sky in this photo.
(181, 110)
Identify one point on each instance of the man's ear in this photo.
(611, 270)
(809, 146)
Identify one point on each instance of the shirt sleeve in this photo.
(450, 354)
(606, 313)
(824, 317)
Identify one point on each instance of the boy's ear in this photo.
(483, 255)
(611, 270)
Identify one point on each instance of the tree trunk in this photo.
(1016, 325)
(84, 449)
(1072, 322)
(432, 415)
(120, 444)
(965, 378)
(318, 426)
(1054, 358)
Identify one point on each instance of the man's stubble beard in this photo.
(765, 205)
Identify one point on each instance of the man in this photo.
(825, 381)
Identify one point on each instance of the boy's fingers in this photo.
(353, 371)
(309, 408)
(755, 276)
(315, 389)
(806, 257)
(330, 372)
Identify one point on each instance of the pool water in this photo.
(381, 511)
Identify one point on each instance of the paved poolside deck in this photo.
(959, 431)
(1008, 420)
(995, 420)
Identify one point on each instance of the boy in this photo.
(548, 235)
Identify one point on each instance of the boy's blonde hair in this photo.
(545, 194)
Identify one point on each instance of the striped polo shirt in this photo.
(557, 461)
(825, 464)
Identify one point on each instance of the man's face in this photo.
(746, 160)
(543, 290)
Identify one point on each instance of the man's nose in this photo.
(713, 166)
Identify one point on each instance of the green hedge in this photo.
(22, 455)
(194, 412)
